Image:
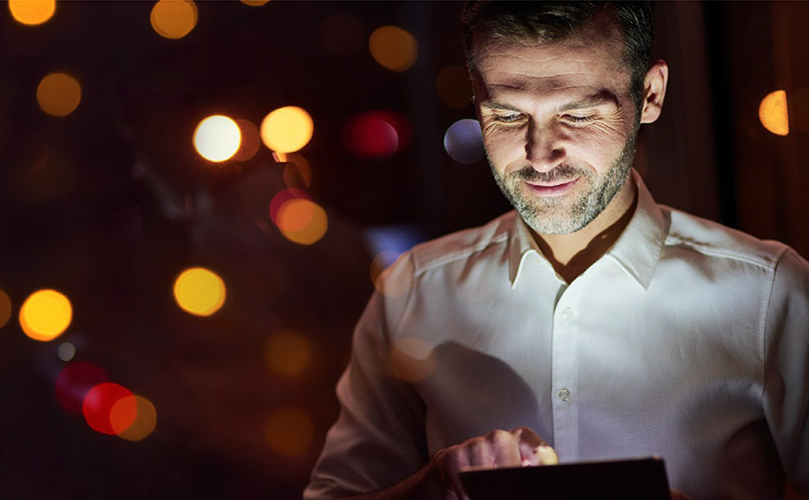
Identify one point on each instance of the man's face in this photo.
(559, 125)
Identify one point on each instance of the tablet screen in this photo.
(635, 479)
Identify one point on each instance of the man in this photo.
(593, 325)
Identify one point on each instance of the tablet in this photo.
(633, 479)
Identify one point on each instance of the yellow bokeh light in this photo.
(217, 138)
(302, 221)
(773, 113)
(58, 94)
(5, 308)
(287, 129)
(288, 353)
(32, 12)
(393, 48)
(174, 18)
(45, 315)
(255, 3)
(145, 418)
(290, 432)
(199, 291)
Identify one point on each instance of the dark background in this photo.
(110, 203)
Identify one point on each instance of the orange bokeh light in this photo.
(773, 113)
(288, 353)
(58, 94)
(5, 308)
(45, 315)
(31, 12)
(290, 432)
(297, 172)
(174, 19)
(144, 423)
(393, 48)
(302, 221)
(250, 143)
(453, 87)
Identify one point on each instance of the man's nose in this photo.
(544, 146)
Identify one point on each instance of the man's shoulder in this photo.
(714, 239)
(463, 244)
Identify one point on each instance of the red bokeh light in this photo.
(75, 381)
(284, 196)
(376, 134)
(98, 404)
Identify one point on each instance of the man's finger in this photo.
(533, 449)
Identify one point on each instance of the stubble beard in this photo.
(561, 215)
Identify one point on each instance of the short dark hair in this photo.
(507, 21)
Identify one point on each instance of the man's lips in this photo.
(554, 188)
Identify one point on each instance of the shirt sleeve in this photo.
(378, 439)
(786, 377)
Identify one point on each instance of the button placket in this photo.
(563, 383)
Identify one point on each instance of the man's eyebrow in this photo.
(592, 101)
(497, 105)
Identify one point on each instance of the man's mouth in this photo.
(554, 188)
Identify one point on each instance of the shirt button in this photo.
(567, 314)
(564, 395)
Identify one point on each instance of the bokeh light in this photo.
(174, 19)
(66, 351)
(288, 353)
(45, 315)
(217, 138)
(302, 221)
(297, 172)
(371, 135)
(290, 432)
(393, 48)
(145, 418)
(464, 142)
(75, 381)
(380, 262)
(376, 134)
(58, 94)
(341, 34)
(412, 359)
(5, 308)
(30, 12)
(287, 129)
(255, 3)
(123, 414)
(199, 291)
(453, 87)
(773, 113)
(98, 403)
(391, 288)
(250, 143)
(282, 197)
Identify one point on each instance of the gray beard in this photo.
(559, 216)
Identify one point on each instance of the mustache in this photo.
(560, 173)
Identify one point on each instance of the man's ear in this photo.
(654, 91)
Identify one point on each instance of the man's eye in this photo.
(510, 118)
(578, 119)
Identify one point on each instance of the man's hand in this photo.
(515, 448)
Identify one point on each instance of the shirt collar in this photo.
(637, 250)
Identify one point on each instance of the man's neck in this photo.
(571, 254)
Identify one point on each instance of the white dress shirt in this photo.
(686, 340)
